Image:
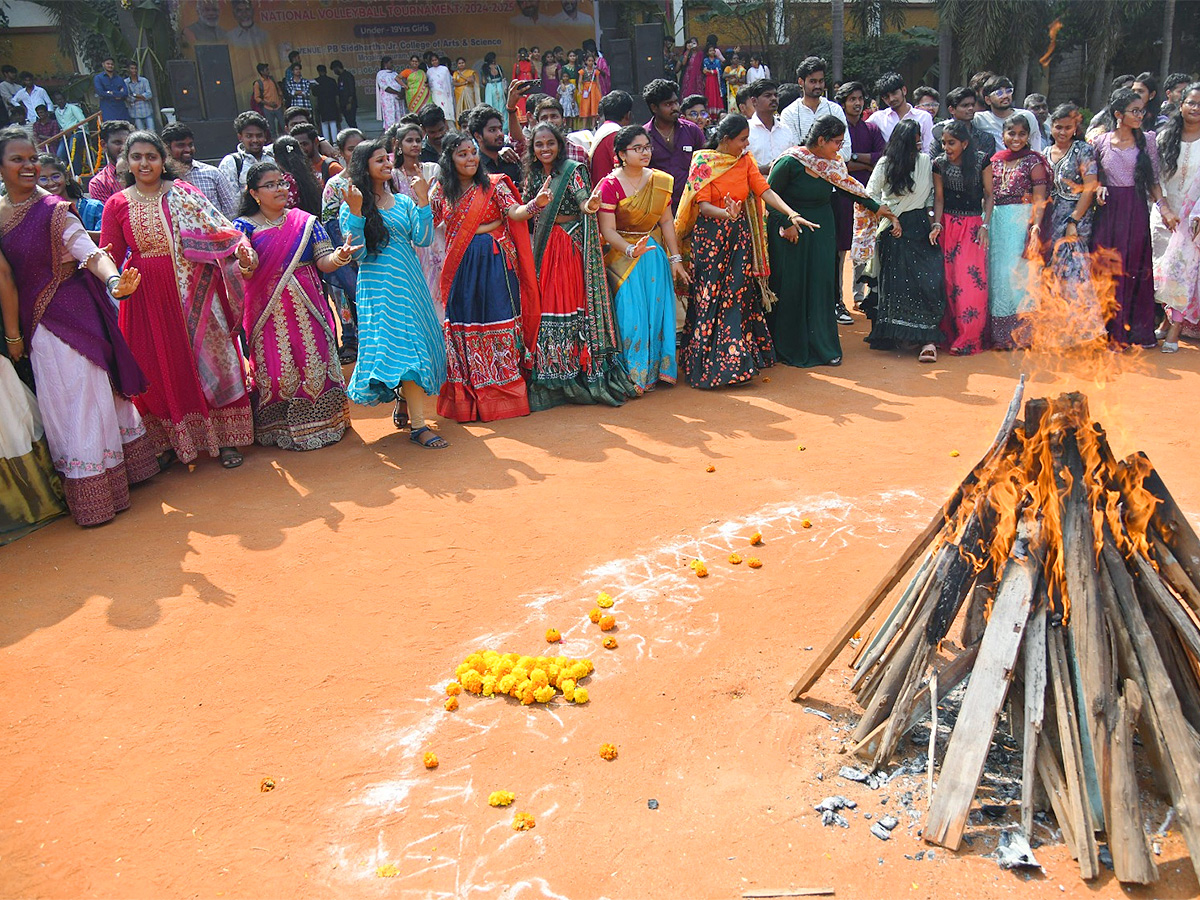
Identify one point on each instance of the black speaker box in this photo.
(216, 80)
(214, 139)
(648, 52)
(185, 88)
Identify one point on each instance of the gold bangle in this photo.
(18, 339)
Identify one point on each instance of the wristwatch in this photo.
(1071, 220)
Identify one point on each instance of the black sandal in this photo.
(400, 413)
(231, 458)
(437, 442)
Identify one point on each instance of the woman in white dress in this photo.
(441, 82)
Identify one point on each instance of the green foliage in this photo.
(867, 58)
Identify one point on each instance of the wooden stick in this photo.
(1183, 757)
(933, 726)
(897, 620)
(783, 892)
(1176, 530)
(1132, 860)
(892, 577)
(962, 765)
(1151, 586)
(1072, 754)
(1034, 652)
(1051, 776)
(949, 678)
(1176, 577)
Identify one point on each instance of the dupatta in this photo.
(636, 216)
(462, 220)
(211, 291)
(1177, 271)
(708, 166)
(835, 173)
(416, 89)
(279, 255)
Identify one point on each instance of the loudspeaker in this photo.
(648, 52)
(216, 79)
(619, 53)
(609, 15)
(214, 138)
(185, 88)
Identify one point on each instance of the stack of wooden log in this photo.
(1069, 580)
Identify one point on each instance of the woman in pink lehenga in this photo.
(181, 322)
(298, 392)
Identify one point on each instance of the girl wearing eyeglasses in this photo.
(1127, 158)
(57, 179)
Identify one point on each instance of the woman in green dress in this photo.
(803, 320)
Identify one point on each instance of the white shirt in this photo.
(754, 73)
(991, 123)
(886, 121)
(766, 144)
(799, 119)
(31, 100)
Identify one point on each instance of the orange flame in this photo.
(1055, 28)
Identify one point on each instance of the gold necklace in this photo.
(148, 198)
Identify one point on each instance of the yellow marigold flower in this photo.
(700, 569)
(387, 870)
(504, 666)
(594, 614)
(544, 694)
(528, 695)
(756, 539)
(754, 562)
(805, 523)
(451, 704)
(501, 798)
(710, 468)
(766, 379)
(734, 559)
(568, 684)
(491, 657)
(588, 666)
(608, 623)
(472, 681)
(561, 661)
(541, 662)
(581, 695)
(453, 689)
(520, 689)
(608, 751)
(475, 661)
(553, 636)
(604, 601)
(610, 642)
(431, 761)
(521, 673)
(523, 822)
(539, 678)
(954, 453)
(460, 668)
(489, 685)
(513, 658)
(552, 671)
(506, 682)
(525, 662)
(569, 694)
(579, 670)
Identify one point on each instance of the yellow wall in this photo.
(35, 50)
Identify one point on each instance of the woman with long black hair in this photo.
(726, 339)
(489, 286)
(577, 358)
(401, 354)
(303, 190)
(908, 300)
(1127, 158)
(1176, 252)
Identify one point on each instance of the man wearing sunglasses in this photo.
(998, 95)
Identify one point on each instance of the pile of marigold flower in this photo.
(530, 679)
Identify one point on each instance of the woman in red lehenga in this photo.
(489, 287)
(181, 321)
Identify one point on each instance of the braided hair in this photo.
(1143, 172)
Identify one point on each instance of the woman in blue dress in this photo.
(401, 350)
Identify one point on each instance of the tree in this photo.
(1168, 36)
(873, 17)
(837, 30)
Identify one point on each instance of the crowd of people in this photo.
(508, 245)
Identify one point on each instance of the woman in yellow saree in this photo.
(726, 340)
(466, 87)
(642, 259)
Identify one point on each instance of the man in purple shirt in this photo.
(672, 140)
(866, 149)
(894, 106)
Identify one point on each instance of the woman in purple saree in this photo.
(297, 389)
(84, 370)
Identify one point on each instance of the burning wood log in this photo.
(1083, 579)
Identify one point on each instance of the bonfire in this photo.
(1071, 580)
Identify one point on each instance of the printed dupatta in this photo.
(637, 216)
(417, 94)
(708, 166)
(835, 173)
(463, 219)
(1177, 271)
(211, 290)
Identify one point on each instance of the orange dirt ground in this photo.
(298, 619)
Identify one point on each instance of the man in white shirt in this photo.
(998, 95)
(769, 137)
(893, 97)
(799, 116)
(31, 96)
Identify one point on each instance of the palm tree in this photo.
(1167, 38)
(838, 34)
